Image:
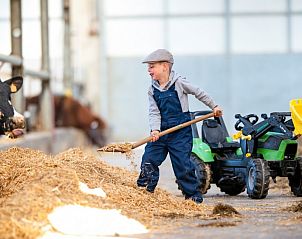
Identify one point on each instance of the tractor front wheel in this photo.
(203, 173)
(257, 178)
(295, 182)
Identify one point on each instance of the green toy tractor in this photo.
(265, 149)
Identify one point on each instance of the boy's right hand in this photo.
(217, 111)
(155, 135)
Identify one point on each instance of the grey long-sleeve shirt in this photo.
(183, 88)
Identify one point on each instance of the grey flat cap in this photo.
(159, 55)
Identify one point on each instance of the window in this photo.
(258, 34)
(31, 39)
(133, 7)
(5, 10)
(296, 5)
(130, 37)
(196, 35)
(195, 6)
(5, 46)
(258, 6)
(297, 33)
(31, 9)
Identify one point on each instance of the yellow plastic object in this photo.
(296, 112)
(237, 135)
(247, 137)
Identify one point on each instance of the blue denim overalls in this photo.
(178, 144)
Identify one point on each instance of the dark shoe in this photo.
(141, 184)
(195, 198)
(145, 189)
(144, 184)
(142, 180)
(150, 190)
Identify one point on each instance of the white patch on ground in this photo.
(78, 220)
(55, 235)
(94, 191)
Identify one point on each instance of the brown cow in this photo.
(68, 112)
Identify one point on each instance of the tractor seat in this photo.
(215, 136)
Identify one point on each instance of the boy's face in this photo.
(158, 70)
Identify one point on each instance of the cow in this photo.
(11, 122)
(69, 112)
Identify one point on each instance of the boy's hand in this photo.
(155, 135)
(217, 111)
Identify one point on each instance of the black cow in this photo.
(11, 122)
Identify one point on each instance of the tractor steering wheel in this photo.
(247, 120)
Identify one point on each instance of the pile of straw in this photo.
(32, 184)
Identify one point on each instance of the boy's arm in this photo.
(154, 113)
(198, 93)
(201, 95)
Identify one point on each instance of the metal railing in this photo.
(16, 60)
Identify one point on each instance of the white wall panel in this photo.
(196, 35)
(195, 6)
(55, 8)
(133, 7)
(258, 34)
(5, 39)
(296, 5)
(258, 5)
(297, 33)
(56, 38)
(5, 45)
(4, 9)
(31, 9)
(133, 37)
(31, 39)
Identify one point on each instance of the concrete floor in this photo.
(264, 218)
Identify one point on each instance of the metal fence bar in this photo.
(17, 61)
(43, 75)
(46, 113)
(14, 60)
(16, 42)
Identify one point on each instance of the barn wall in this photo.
(49, 142)
(239, 83)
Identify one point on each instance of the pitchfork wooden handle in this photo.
(170, 130)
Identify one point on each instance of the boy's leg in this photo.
(180, 147)
(155, 153)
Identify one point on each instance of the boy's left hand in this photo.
(155, 135)
(217, 111)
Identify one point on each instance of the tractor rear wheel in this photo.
(203, 173)
(295, 182)
(257, 178)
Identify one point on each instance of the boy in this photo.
(168, 106)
